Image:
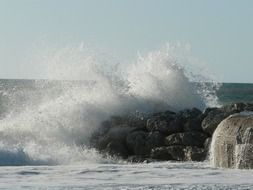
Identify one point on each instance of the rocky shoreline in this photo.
(182, 136)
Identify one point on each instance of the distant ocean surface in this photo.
(16, 89)
(43, 122)
(15, 92)
(235, 92)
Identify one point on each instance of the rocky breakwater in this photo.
(181, 136)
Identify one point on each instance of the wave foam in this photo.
(57, 117)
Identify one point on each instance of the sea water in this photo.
(45, 125)
(164, 175)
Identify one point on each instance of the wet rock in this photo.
(232, 144)
(248, 107)
(141, 143)
(191, 119)
(179, 153)
(97, 135)
(168, 153)
(187, 138)
(216, 115)
(137, 136)
(195, 154)
(212, 120)
(137, 120)
(116, 121)
(136, 142)
(116, 149)
(237, 107)
(155, 139)
(164, 115)
(114, 142)
(139, 159)
(166, 123)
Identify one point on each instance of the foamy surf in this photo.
(52, 125)
(161, 176)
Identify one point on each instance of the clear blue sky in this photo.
(220, 32)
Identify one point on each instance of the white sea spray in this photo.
(55, 119)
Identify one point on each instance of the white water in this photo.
(53, 124)
(50, 123)
(165, 175)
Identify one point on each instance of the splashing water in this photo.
(54, 120)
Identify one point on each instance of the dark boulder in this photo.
(212, 120)
(187, 138)
(141, 142)
(191, 119)
(114, 142)
(99, 133)
(155, 139)
(179, 153)
(216, 115)
(165, 122)
(136, 143)
(164, 115)
(170, 122)
(168, 153)
(137, 120)
(234, 107)
(195, 154)
(118, 149)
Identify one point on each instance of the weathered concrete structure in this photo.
(232, 144)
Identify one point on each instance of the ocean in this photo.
(42, 142)
(235, 92)
(45, 125)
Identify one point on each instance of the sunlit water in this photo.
(45, 125)
(164, 175)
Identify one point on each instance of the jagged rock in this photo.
(212, 120)
(136, 142)
(169, 122)
(187, 138)
(164, 115)
(137, 120)
(216, 115)
(141, 143)
(155, 139)
(179, 153)
(137, 135)
(191, 119)
(116, 149)
(166, 123)
(115, 141)
(232, 144)
(195, 154)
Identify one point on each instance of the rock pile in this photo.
(182, 136)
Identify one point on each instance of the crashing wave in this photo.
(52, 119)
